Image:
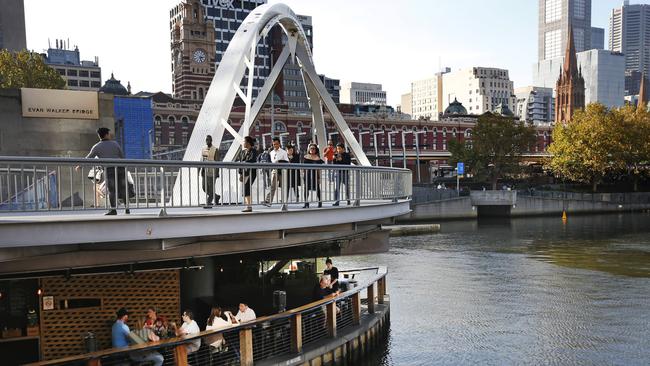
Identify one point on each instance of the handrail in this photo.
(79, 184)
(181, 340)
(183, 164)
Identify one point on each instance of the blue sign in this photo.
(461, 168)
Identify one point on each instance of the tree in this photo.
(25, 69)
(589, 147)
(496, 147)
(634, 140)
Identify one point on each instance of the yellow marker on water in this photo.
(563, 215)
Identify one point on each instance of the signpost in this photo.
(460, 170)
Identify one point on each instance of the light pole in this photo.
(417, 152)
(298, 140)
(374, 139)
(361, 133)
(404, 147)
(390, 147)
(329, 135)
(283, 134)
(264, 139)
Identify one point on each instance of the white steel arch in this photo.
(239, 61)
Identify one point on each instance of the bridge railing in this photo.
(65, 184)
(280, 336)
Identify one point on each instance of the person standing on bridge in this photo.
(209, 175)
(312, 176)
(109, 149)
(247, 176)
(278, 155)
(342, 157)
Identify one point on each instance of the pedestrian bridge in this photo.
(52, 210)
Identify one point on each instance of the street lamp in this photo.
(298, 140)
(283, 134)
(374, 137)
(269, 134)
(390, 147)
(404, 147)
(329, 135)
(417, 151)
(361, 133)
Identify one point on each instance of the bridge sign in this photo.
(460, 168)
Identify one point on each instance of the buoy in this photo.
(563, 215)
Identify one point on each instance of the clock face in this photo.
(199, 56)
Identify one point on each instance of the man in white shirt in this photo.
(278, 155)
(245, 314)
(209, 175)
(189, 328)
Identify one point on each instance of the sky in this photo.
(380, 41)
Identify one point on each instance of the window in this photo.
(84, 83)
(579, 38)
(579, 9)
(468, 133)
(553, 44)
(171, 120)
(72, 73)
(157, 120)
(61, 71)
(172, 140)
(73, 83)
(279, 127)
(185, 121)
(83, 73)
(95, 74)
(95, 84)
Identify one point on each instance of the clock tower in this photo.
(193, 50)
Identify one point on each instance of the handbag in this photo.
(95, 174)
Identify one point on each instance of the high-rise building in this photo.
(629, 33)
(12, 25)
(535, 104)
(193, 50)
(406, 105)
(570, 86)
(292, 87)
(333, 87)
(427, 101)
(597, 38)
(479, 89)
(79, 75)
(603, 71)
(554, 19)
(363, 93)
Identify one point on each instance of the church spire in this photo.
(643, 98)
(570, 86)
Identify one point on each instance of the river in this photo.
(526, 291)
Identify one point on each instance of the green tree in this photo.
(633, 137)
(495, 149)
(589, 147)
(26, 69)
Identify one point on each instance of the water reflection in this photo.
(536, 291)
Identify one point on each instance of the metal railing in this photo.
(276, 337)
(627, 198)
(68, 184)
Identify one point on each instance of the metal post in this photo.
(390, 147)
(404, 148)
(374, 136)
(298, 149)
(417, 153)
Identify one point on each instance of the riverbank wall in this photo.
(535, 204)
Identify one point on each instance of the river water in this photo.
(526, 291)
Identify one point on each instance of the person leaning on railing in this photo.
(247, 176)
(245, 314)
(342, 157)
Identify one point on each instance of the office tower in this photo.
(554, 19)
(629, 33)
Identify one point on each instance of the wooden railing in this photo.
(291, 331)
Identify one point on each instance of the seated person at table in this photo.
(216, 321)
(156, 323)
(189, 328)
(333, 272)
(245, 314)
(323, 289)
(120, 335)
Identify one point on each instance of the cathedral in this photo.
(570, 87)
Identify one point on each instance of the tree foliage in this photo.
(26, 69)
(495, 149)
(599, 142)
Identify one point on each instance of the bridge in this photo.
(54, 235)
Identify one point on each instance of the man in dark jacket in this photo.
(109, 149)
